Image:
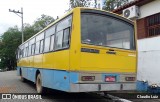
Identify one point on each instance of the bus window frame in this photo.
(70, 29)
(35, 39)
(69, 36)
(116, 17)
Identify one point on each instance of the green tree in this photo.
(113, 4)
(10, 41)
(29, 31)
(78, 3)
(42, 22)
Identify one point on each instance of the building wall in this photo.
(148, 46)
(150, 9)
(141, 28)
(149, 60)
(146, 11)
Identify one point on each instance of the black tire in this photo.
(39, 87)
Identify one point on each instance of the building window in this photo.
(153, 25)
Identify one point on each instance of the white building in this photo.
(148, 33)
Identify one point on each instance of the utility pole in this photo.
(21, 15)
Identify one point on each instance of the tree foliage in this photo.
(29, 31)
(42, 22)
(11, 39)
(113, 4)
(78, 3)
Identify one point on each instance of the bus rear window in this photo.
(106, 31)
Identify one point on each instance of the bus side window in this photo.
(22, 53)
(52, 43)
(19, 53)
(26, 51)
(37, 47)
(62, 33)
(58, 40)
(66, 37)
(29, 52)
(33, 49)
(49, 41)
(41, 46)
(47, 44)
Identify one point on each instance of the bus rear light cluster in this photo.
(88, 78)
(130, 78)
(110, 79)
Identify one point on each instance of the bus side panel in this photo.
(55, 79)
(38, 59)
(61, 60)
(31, 61)
(28, 73)
(24, 62)
(31, 74)
(75, 41)
(55, 60)
(19, 62)
(24, 72)
(48, 60)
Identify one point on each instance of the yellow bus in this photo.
(88, 50)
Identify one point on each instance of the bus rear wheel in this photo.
(39, 86)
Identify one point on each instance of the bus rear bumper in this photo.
(102, 87)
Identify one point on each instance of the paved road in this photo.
(11, 83)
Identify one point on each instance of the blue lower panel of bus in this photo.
(55, 79)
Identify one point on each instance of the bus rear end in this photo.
(107, 60)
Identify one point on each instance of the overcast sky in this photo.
(32, 10)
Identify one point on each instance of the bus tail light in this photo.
(110, 79)
(88, 78)
(130, 78)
